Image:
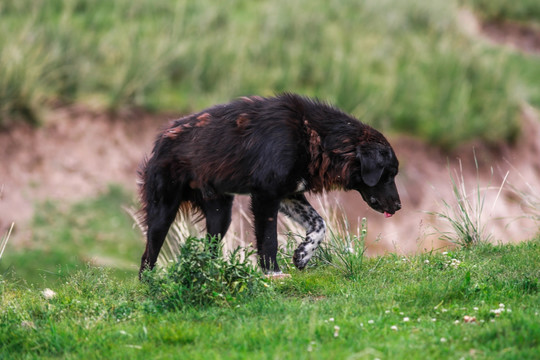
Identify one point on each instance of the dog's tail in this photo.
(141, 215)
(149, 186)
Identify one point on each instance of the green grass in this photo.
(522, 10)
(65, 238)
(401, 66)
(95, 315)
(107, 313)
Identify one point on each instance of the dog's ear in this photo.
(371, 165)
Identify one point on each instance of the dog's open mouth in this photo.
(387, 214)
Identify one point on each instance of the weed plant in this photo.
(202, 276)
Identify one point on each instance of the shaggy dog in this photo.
(274, 149)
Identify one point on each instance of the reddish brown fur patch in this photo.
(329, 169)
(369, 135)
(172, 133)
(203, 119)
(242, 121)
(251, 99)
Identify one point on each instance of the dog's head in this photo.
(374, 177)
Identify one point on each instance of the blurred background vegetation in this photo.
(404, 66)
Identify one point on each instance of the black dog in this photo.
(274, 149)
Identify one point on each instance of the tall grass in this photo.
(5, 239)
(523, 10)
(345, 250)
(343, 247)
(466, 213)
(397, 65)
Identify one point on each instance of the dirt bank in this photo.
(77, 153)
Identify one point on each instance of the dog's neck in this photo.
(329, 167)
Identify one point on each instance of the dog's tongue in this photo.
(387, 214)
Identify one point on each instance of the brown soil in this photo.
(522, 37)
(77, 153)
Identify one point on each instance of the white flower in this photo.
(48, 294)
(443, 340)
(28, 325)
(501, 306)
(405, 319)
(456, 322)
(331, 319)
(475, 308)
(433, 319)
(445, 253)
(387, 312)
(426, 261)
(498, 311)
(371, 322)
(393, 327)
(336, 331)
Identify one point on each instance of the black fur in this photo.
(273, 149)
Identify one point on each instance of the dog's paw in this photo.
(300, 258)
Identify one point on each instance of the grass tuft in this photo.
(201, 276)
(466, 214)
(344, 250)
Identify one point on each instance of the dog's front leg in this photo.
(265, 211)
(300, 210)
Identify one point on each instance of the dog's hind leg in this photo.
(217, 211)
(162, 203)
(300, 210)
